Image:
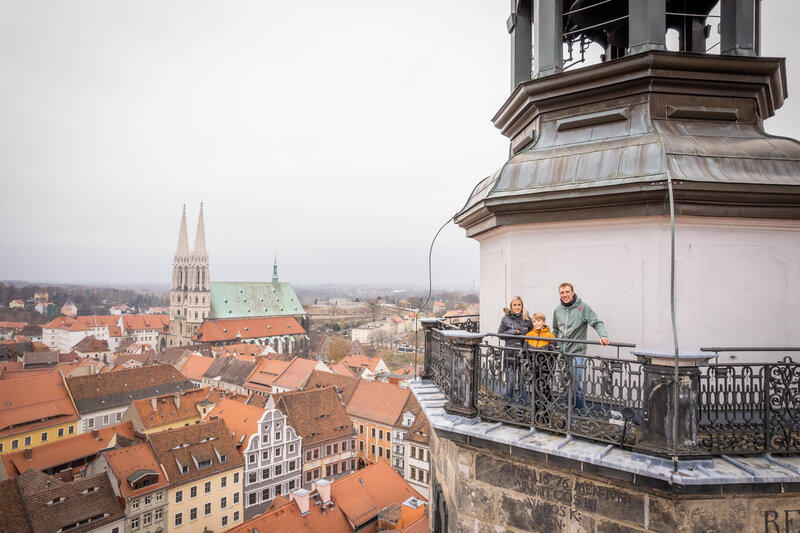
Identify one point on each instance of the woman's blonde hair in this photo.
(525, 315)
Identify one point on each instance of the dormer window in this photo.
(56, 500)
(204, 464)
(185, 469)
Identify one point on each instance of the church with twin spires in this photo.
(202, 312)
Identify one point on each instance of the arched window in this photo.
(181, 327)
(195, 300)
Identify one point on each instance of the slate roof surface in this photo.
(316, 415)
(179, 445)
(379, 402)
(76, 506)
(247, 328)
(40, 358)
(346, 384)
(249, 299)
(171, 356)
(31, 399)
(126, 461)
(63, 451)
(116, 389)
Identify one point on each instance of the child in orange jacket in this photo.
(540, 329)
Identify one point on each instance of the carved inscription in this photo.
(787, 521)
(553, 487)
(608, 501)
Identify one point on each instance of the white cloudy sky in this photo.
(337, 135)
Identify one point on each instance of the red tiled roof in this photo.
(362, 494)
(295, 374)
(287, 518)
(82, 323)
(361, 361)
(316, 415)
(90, 344)
(12, 325)
(241, 419)
(265, 372)
(248, 328)
(128, 460)
(167, 410)
(137, 322)
(33, 402)
(378, 402)
(63, 451)
(195, 366)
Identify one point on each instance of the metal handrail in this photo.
(560, 339)
(750, 349)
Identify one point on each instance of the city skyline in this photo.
(337, 138)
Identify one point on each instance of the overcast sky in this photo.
(338, 135)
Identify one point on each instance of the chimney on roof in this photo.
(96, 434)
(28, 454)
(177, 397)
(301, 497)
(323, 487)
(153, 403)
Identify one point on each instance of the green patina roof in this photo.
(231, 299)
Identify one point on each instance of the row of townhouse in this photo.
(64, 332)
(385, 417)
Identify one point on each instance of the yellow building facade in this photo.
(208, 504)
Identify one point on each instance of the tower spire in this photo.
(200, 236)
(183, 240)
(275, 270)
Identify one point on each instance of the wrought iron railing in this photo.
(750, 408)
(469, 323)
(618, 398)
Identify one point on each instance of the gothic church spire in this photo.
(183, 239)
(200, 236)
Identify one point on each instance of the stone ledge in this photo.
(716, 475)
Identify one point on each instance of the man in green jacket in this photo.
(570, 321)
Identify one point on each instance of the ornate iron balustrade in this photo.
(469, 323)
(723, 409)
(560, 392)
(750, 408)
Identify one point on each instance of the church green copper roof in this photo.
(231, 299)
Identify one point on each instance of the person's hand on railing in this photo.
(604, 341)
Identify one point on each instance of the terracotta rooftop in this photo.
(247, 328)
(34, 402)
(144, 322)
(79, 500)
(265, 372)
(90, 343)
(12, 511)
(12, 325)
(195, 366)
(83, 323)
(346, 384)
(171, 408)
(316, 415)
(135, 459)
(207, 441)
(117, 389)
(342, 370)
(241, 419)
(295, 374)
(63, 451)
(356, 361)
(420, 430)
(362, 494)
(285, 516)
(379, 402)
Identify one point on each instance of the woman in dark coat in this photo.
(516, 321)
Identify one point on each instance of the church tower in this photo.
(190, 296)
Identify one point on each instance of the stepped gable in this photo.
(316, 415)
(346, 385)
(116, 389)
(182, 446)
